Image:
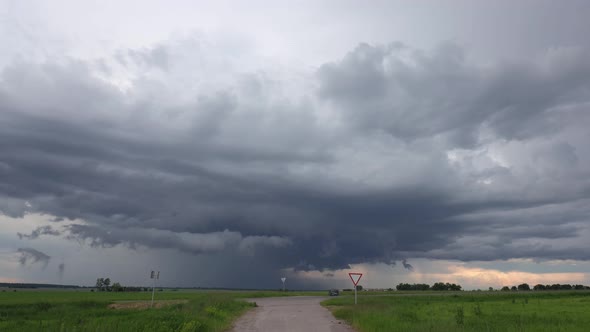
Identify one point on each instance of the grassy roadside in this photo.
(528, 311)
(88, 311)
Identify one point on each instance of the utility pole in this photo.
(154, 276)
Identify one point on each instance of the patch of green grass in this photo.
(495, 311)
(88, 312)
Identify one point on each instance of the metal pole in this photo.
(354, 294)
(153, 289)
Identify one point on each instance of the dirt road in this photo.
(289, 314)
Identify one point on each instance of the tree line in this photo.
(104, 285)
(32, 285)
(541, 287)
(441, 286)
(438, 286)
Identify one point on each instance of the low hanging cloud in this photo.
(41, 230)
(195, 243)
(32, 256)
(387, 153)
(407, 265)
(61, 268)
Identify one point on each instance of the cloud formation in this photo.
(387, 153)
(41, 230)
(61, 268)
(412, 94)
(407, 265)
(195, 243)
(32, 256)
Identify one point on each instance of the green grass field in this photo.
(466, 311)
(215, 311)
(88, 311)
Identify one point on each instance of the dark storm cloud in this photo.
(412, 94)
(544, 232)
(41, 230)
(194, 243)
(240, 172)
(31, 256)
(407, 265)
(12, 207)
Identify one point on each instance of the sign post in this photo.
(283, 280)
(355, 277)
(154, 276)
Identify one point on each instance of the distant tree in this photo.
(439, 286)
(406, 287)
(402, 287)
(107, 284)
(491, 289)
(116, 287)
(578, 287)
(524, 287)
(454, 287)
(423, 287)
(513, 288)
(99, 283)
(359, 287)
(566, 287)
(539, 287)
(505, 289)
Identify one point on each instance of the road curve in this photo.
(289, 314)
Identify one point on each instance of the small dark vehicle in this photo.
(333, 292)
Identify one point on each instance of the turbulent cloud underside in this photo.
(385, 154)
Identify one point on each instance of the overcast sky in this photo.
(230, 144)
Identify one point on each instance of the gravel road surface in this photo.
(289, 314)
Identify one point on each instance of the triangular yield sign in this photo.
(355, 277)
(283, 279)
